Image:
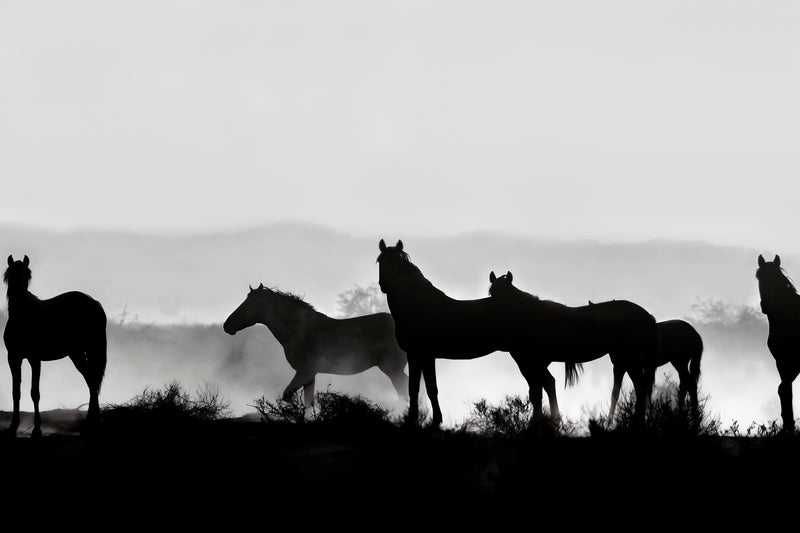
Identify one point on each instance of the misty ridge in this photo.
(166, 298)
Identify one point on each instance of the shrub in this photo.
(329, 407)
(169, 405)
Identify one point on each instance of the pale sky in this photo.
(563, 119)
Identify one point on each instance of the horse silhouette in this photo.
(315, 343)
(680, 344)
(430, 325)
(71, 324)
(551, 331)
(781, 303)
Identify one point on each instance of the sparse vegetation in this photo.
(169, 405)
(329, 407)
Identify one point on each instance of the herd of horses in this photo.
(424, 324)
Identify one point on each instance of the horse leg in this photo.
(308, 394)
(15, 364)
(640, 388)
(429, 373)
(549, 385)
(93, 382)
(788, 375)
(36, 372)
(414, 377)
(619, 375)
(302, 378)
(399, 381)
(685, 385)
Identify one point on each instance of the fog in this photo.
(161, 156)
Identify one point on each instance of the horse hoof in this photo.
(36, 434)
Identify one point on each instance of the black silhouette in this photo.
(316, 343)
(680, 344)
(781, 303)
(71, 325)
(549, 331)
(430, 325)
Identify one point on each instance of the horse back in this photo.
(69, 322)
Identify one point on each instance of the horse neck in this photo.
(416, 293)
(781, 304)
(286, 324)
(20, 299)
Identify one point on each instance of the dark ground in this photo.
(235, 466)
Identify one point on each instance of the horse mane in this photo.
(293, 298)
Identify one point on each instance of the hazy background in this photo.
(154, 154)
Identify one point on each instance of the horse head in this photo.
(393, 266)
(501, 285)
(18, 273)
(246, 314)
(773, 284)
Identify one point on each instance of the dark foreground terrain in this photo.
(246, 465)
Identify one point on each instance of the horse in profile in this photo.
(551, 331)
(71, 325)
(781, 303)
(315, 343)
(680, 344)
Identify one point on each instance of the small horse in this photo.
(781, 303)
(71, 324)
(316, 343)
(552, 331)
(680, 344)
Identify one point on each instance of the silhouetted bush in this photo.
(509, 418)
(169, 405)
(329, 407)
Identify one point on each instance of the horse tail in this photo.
(97, 349)
(572, 372)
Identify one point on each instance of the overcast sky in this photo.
(563, 119)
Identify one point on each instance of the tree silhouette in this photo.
(360, 301)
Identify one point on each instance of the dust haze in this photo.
(181, 289)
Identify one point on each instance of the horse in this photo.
(680, 344)
(552, 331)
(71, 324)
(781, 303)
(315, 343)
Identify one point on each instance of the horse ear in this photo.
(382, 246)
(251, 287)
(260, 286)
(777, 260)
(10, 260)
(509, 276)
(761, 260)
(492, 277)
(26, 261)
(400, 245)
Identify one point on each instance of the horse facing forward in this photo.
(71, 325)
(550, 331)
(781, 303)
(315, 343)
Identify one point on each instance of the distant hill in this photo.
(202, 278)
